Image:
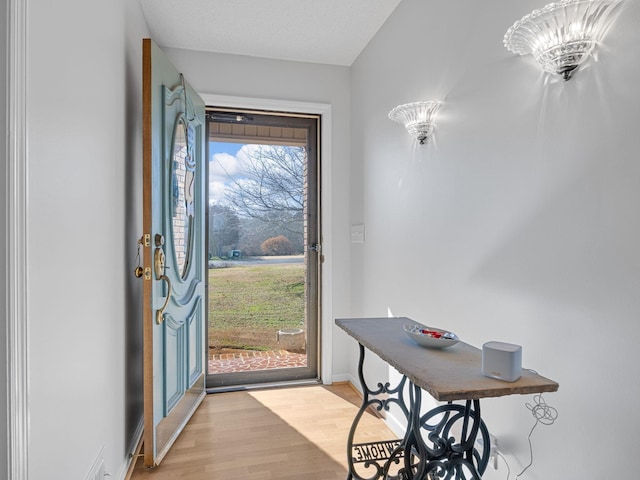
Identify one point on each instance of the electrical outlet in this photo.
(493, 449)
(357, 233)
(493, 452)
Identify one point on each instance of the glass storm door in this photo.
(263, 247)
(174, 283)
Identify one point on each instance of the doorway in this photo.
(263, 247)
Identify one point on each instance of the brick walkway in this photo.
(250, 361)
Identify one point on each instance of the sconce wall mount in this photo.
(417, 117)
(561, 35)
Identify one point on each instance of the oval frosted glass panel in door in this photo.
(182, 184)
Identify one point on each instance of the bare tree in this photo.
(271, 188)
(224, 230)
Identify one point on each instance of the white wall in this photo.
(84, 157)
(519, 222)
(242, 76)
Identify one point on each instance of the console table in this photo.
(438, 444)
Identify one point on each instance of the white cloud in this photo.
(223, 165)
(222, 168)
(216, 191)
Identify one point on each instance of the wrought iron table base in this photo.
(437, 445)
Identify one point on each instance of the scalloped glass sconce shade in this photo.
(417, 117)
(561, 35)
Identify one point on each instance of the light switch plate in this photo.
(357, 233)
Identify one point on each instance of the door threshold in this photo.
(265, 386)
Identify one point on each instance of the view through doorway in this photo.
(263, 247)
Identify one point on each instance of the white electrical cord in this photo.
(506, 463)
(544, 414)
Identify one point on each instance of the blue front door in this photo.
(174, 275)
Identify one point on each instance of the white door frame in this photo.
(324, 110)
(16, 234)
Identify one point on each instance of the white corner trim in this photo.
(323, 109)
(17, 236)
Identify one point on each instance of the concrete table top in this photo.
(453, 373)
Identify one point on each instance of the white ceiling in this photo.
(319, 31)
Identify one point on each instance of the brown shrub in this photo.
(279, 245)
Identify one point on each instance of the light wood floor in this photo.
(279, 434)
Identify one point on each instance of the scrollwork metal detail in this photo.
(461, 453)
(443, 441)
(438, 445)
(375, 459)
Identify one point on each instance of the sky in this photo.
(224, 147)
(223, 162)
(229, 163)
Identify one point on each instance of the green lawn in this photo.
(249, 304)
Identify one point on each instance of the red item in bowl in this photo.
(431, 333)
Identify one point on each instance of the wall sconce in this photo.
(561, 35)
(417, 117)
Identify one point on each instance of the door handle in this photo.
(160, 311)
(159, 267)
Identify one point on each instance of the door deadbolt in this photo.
(158, 262)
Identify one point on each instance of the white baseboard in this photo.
(397, 425)
(134, 448)
(345, 377)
